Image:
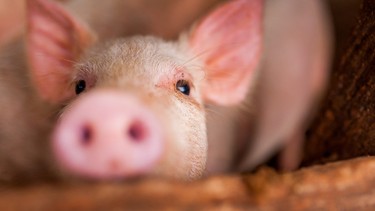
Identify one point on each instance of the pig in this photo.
(252, 129)
(128, 107)
(292, 78)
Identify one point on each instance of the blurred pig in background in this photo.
(296, 66)
(292, 78)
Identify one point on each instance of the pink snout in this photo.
(107, 135)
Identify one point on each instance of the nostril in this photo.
(86, 135)
(137, 132)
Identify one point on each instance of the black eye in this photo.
(80, 86)
(183, 87)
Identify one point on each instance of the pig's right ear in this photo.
(55, 40)
(229, 42)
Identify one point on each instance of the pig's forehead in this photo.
(138, 57)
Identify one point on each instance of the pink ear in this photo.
(55, 41)
(229, 40)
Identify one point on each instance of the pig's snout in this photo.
(107, 135)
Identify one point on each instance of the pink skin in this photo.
(107, 134)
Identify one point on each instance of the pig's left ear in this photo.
(229, 40)
(55, 40)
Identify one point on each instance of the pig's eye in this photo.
(183, 86)
(80, 86)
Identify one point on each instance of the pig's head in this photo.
(136, 106)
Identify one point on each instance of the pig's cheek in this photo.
(185, 136)
(199, 142)
(169, 159)
(191, 138)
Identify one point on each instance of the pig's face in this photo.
(136, 106)
(164, 80)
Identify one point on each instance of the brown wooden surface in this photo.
(334, 186)
(346, 125)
